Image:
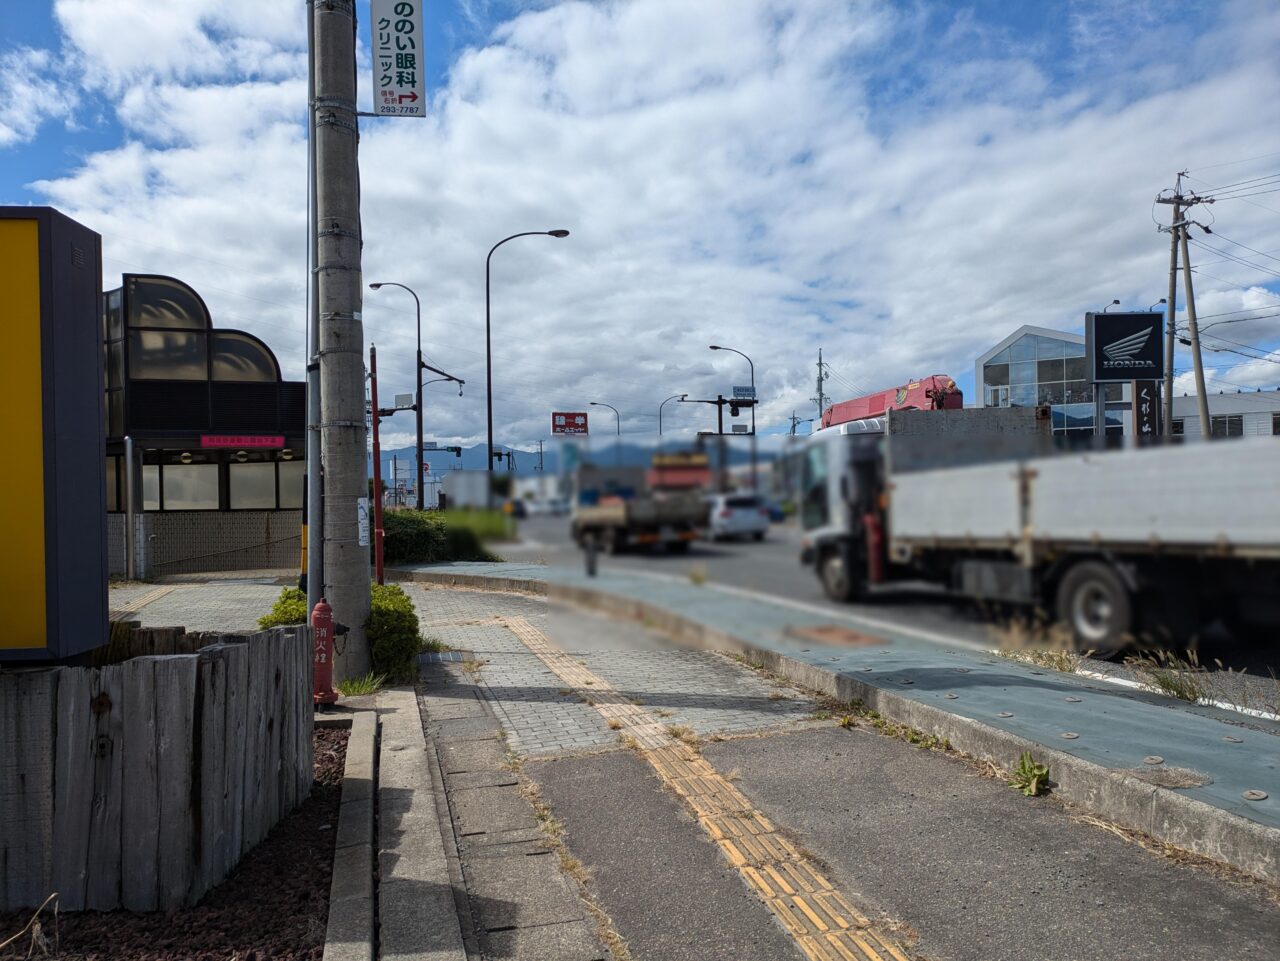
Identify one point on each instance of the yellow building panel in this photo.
(22, 507)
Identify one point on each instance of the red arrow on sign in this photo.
(411, 96)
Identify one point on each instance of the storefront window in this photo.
(190, 487)
(292, 473)
(253, 486)
(151, 487)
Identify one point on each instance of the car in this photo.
(737, 515)
(558, 506)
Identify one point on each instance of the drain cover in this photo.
(952, 697)
(1232, 739)
(1153, 759)
(1070, 735)
(1254, 795)
(1004, 714)
(1072, 700)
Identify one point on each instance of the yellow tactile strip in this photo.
(138, 603)
(820, 919)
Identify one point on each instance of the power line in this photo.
(1239, 260)
(1240, 183)
(1236, 163)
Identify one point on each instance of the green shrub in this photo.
(290, 608)
(419, 537)
(392, 629)
(360, 686)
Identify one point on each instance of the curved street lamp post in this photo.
(754, 482)
(618, 419)
(488, 349)
(417, 378)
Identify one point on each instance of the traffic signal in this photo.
(455, 451)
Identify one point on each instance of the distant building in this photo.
(217, 436)
(1036, 366)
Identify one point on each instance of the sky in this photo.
(900, 184)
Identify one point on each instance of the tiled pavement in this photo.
(706, 692)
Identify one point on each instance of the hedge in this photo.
(419, 537)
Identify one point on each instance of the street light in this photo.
(1114, 303)
(488, 349)
(664, 404)
(417, 378)
(618, 419)
(754, 481)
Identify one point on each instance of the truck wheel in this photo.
(835, 578)
(1094, 604)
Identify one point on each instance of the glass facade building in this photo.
(1034, 367)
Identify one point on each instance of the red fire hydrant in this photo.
(322, 677)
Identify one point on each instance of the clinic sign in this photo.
(568, 422)
(399, 87)
(1124, 347)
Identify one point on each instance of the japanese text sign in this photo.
(398, 81)
(1146, 421)
(568, 422)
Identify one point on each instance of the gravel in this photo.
(275, 906)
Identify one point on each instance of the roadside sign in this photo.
(399, 87)
(568, 422)
(426, 468)
(242, 441)
(403, 401)
(1146, 418)
(744, 393)
(362, 521)
(1124, 347)
(430, 445)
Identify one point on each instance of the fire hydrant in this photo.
(322, 676)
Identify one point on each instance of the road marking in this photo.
(138, 603)
(825, 925)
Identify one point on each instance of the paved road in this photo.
(707, 812)
(1241, 673)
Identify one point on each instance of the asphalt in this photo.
(980, 872)
(670, 894)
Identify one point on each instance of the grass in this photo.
(1030, 777)
(698, 575)
(1055, 659)
(614, 724)
(433, 645)
(360, 686)
(1169, 674)
(684, 733)
(487, 525)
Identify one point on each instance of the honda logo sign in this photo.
(1124, 347)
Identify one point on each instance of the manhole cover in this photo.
(1070, 735)
(1072, 700)
(834, 634)
(1232, 739)
(1004, 714)
(1254, 795)
(1153, 759)
(952, 697)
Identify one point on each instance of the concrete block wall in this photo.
(186, 542)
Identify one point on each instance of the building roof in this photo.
(1030, 329)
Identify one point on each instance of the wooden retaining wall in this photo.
(141, 783)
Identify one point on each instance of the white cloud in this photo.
(732, 172)
(30, 93)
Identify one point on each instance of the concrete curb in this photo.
(417, 909)
(350, 934)
(1112, 794)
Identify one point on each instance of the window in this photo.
(1051, 348)
(1227, 425)
(1048, 371)
(1024, 348)
(168, 355)
(1179, 427)
(292, 473)
(1022, 373)
(240, 357)
(813, 482)
(996, 375)
(190, 487)
(150, 487)
(742, 503)
(1079, 392)
(161, 302)
(1022, 395)
(1275, 423)
(252, 486)
(1052, 394)
(113, 484)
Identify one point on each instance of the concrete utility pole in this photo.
(1206, 426)
(341, 337)
(1171, 333)
(314, 496)
(821, 399)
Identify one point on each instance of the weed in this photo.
(698, 575)
(684, 733)
(1053, 658)
(1165, 672)
(663, 712)
(637, 701)
(359, 686)
(472, 666)
(433, 645)
(565, 691)
(848, 721)
(777, 696)
(1030, 777)
(820, 715)
(590, 703)
(613, 724)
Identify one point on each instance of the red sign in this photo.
(568, 422)
(243, 441)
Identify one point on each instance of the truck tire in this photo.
(836, 582)
(1094, 604)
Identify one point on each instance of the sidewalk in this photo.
(1110, 749)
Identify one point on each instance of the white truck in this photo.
(1153, 541)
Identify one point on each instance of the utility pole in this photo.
(314, 497)
(821, 399)
(1206, 427)
(1179, 229)
(539, 455)
(340, 348)
(1170, 333)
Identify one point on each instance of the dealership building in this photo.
(1037, 366)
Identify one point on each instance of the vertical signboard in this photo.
(53, 502)
(1146, 420)
(399, 87)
